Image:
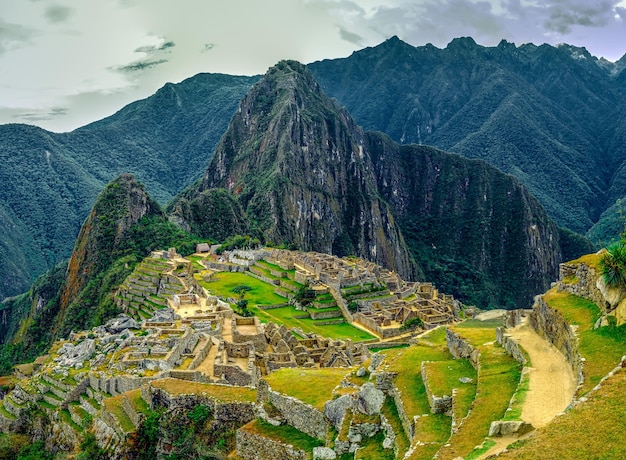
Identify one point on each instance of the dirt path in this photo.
(552, 382)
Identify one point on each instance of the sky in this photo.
(66, 63)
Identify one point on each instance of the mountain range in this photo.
(551, 116)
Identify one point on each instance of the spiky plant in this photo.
(613, 265)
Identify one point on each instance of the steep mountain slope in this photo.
(304, 173)
(477, 232)
(50, 181)
(295, 162)
(538, 112)
(124, 225)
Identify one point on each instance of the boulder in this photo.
(370, 400)
(121, 323)
(324, 453)
(335, 410)
(509, 428)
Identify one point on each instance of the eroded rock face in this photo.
(370, 400)
(335, 410)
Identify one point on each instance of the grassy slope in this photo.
(594, 429)
(602, 348)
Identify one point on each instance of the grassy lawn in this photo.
(444, 376)
(602, 348)
(261, 293)
(225, 393)
(311, 386)
(114, 406)
(497, 382)
(372, 448)
(390, 411)
(429, 428)
(593, 429)
(285, 315)
(137, 401)
(283, 433)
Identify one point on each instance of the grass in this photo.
(283, 433)
(285, 315)
(517, 404)
(261, 293)
(591, 260)
(373, 449)
(498, 379)
(593, 429)
(602, 348)
(311, 386)
(5, 413)
(429, 428)
(114, 406)
(444, 376)
(390, 411)
(225, 393)
(137, 401)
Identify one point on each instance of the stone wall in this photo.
(251, 446)
(580, 279)
(201, 354)
(240, 412)
(552, 326)
(510, 345)
(299, 415)
(384, 382)
(116, 385)
(460, 348)
(438, 404)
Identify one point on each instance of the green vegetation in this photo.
(602, 348)
(613, 264)
(260, 293)
(283, 433)
(290, 317)
(311, 386)
(498, 379)
(590, 430)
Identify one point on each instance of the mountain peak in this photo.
(295, 162)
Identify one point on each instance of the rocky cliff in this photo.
(472, 227)
(297, 165)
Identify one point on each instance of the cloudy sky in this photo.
(65, 63)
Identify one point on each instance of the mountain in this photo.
(302, 172)
(51, 180)
(551, 116)
(124, 225)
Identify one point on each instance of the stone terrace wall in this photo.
(584, 285)
(510, 345)
(460, 348)
(254, 447)
(299, 415)
(241, 412)
(552, 326)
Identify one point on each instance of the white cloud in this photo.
(79, 55)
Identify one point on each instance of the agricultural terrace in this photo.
(498, 380)
(311, 386)
(575, 434)
(262, 294)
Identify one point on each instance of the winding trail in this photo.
(552, 382)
